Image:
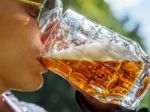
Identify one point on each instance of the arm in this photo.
(89, 104)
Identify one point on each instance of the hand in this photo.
(90, 104)
(87, 101)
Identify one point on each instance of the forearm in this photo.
(89, 104)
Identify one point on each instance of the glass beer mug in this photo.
(106, 65)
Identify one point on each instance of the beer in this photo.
(111, 77)
(100, 78)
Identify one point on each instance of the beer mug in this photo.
(102, 63)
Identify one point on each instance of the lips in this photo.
(40, 59)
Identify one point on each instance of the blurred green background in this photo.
(57, 95)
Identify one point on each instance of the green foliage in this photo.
(57, 95)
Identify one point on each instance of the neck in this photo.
(3, 88)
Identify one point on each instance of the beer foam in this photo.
(91, 51)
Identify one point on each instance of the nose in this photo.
(45, 35)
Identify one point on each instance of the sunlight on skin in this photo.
(24, 19)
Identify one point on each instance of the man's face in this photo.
(20, 47)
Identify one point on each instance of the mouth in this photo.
(40, 60)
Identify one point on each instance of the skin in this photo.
(21, 44)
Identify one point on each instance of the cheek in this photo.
(33, 34)
(29, 35)
(23, 19)
(20, 43)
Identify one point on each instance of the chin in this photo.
(31, 86)
(34, 88)
(35, 85)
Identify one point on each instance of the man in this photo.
(21, 43)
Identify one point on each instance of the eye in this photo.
(34, 12)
